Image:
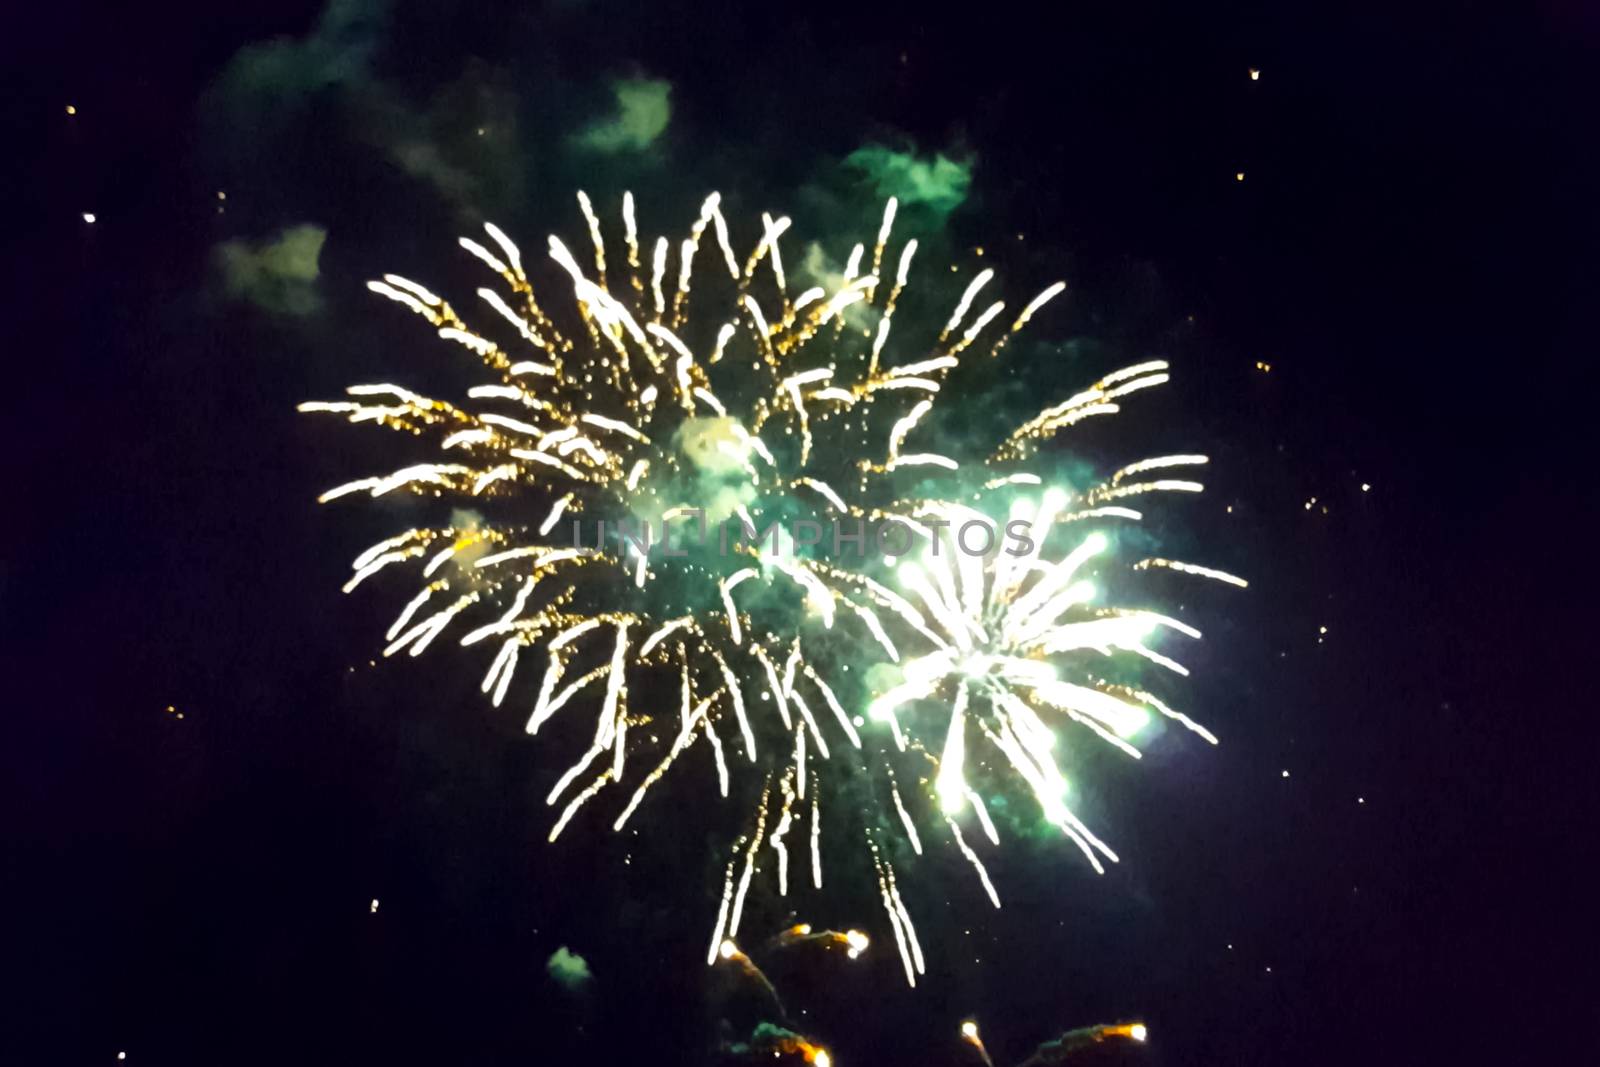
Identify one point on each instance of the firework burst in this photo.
(609, 408)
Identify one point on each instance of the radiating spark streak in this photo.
(892, 910)
(811, 723)
(982, 812)
(663, 632)
(608, 711)
(481, 345)
(904, 426)
(1135, 386)
(630, 230)
(613, 424)
(512, 254)
(467, 437)
(960, 312)
(776, 228)
(737, 697)
(546, 460)
(1157, 463)
(722, 912)
(413, 288)
(833, 705)
(827, 493)
(926, 366)
(658, 270)
(723, 336)
(561, 698)
(572, 633)
(488, 257)
(509, 650)
(977, 864)
(1176, 716)
(716, 748)
(949, 785)
(1162, 485)
(1110, 512)
(554, 516)
(977, 327)
(904, 268)
(852, 266)
(505, 422)
(706, 397)
(800, 760)
(816, 842)
(576, 803)
(1192, 568)
(774, 687)
(875, 628)
(906, 820)
(749, 867)
(402, 297)
(594, 235)
(785, 819)
(544, 555)
(883, 232)
(529, 334)
(925, 384)
(411, 608)
(420, 635)
(379, 563)
(428, 473)
(1036, 303)
(728, 585)
(684, 740)
(721, 226)
(905, 921)
(686, 253)
(923, 459)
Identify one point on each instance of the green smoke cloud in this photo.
(569, 969)
(643, 111)
(938, 183)
(278, 275)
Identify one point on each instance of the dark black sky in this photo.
(1411, 250)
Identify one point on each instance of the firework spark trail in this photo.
(612, 401)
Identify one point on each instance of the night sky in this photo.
(1363, 234)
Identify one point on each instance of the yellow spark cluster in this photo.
(598, 377)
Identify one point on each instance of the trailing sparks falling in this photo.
(675, 387)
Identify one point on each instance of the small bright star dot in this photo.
(121, 1055)
(73, 111)
(88, 216)
(1286, 774)
(1255, 75)
(374, 906)
(1238, 176)
(1366, 488)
